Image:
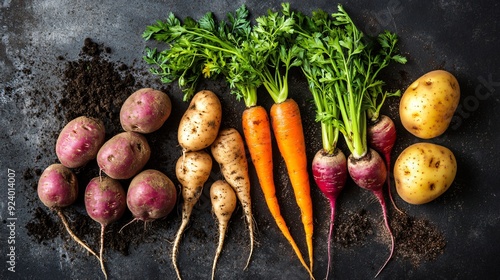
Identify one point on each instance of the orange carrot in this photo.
(287, 127)
(257, 131)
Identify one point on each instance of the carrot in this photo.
(287, 127)
(257, 132)
(247, 56)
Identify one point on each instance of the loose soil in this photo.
(96, 86)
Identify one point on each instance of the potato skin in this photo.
(423, 172)
(200, 123)
(105, 200)
(145, 110)
(151, 195)
(57, 186)
(428, 104)
(79, 141)
(124, 155)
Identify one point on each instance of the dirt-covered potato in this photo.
(145, 110)
(200, 123)
(427, 106)
(124, 155)
(58, 186)
(423, 172)
(79, 141)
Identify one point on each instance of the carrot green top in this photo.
(206, 47)
(247, 56)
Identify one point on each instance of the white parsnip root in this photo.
(228, 150)
(192, 170)
(223, 200)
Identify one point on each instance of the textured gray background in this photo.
(459, 36)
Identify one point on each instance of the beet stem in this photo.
(380, 196)
(73, 235)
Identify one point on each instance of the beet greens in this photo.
(347, 64)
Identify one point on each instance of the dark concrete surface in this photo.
(459, 36)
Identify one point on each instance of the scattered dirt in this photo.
(95, 87)
(353, 230)
(417, 240)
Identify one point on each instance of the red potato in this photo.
(58, 188)
(79, 141)
(105, 204)
(151, 195)
(200, 123)
(124, 155)
(145, 110)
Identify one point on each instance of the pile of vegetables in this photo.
(151, 194)
(424, 171)
(247, 58)
(342, 68)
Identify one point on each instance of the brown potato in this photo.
(200, 123)
(427, 106)
(423, 172)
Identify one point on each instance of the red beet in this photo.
(382, 137)
(369, 172)
(330, 174)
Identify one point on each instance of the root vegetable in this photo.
(151, 195)
(381, 136)
(428, 104)
(192, 170)
(257, 132)
(223, 200)
(200, 123)
(58, 188)
(105, 204)
(351, 71)
(145, 111)
(287, 127)
(330, 174)
(369, 172)
(79, 141)
(124, 155)
(423, 172)
(228, 150)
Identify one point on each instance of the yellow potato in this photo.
(424, 171)
(199, 126)
(427, 106)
